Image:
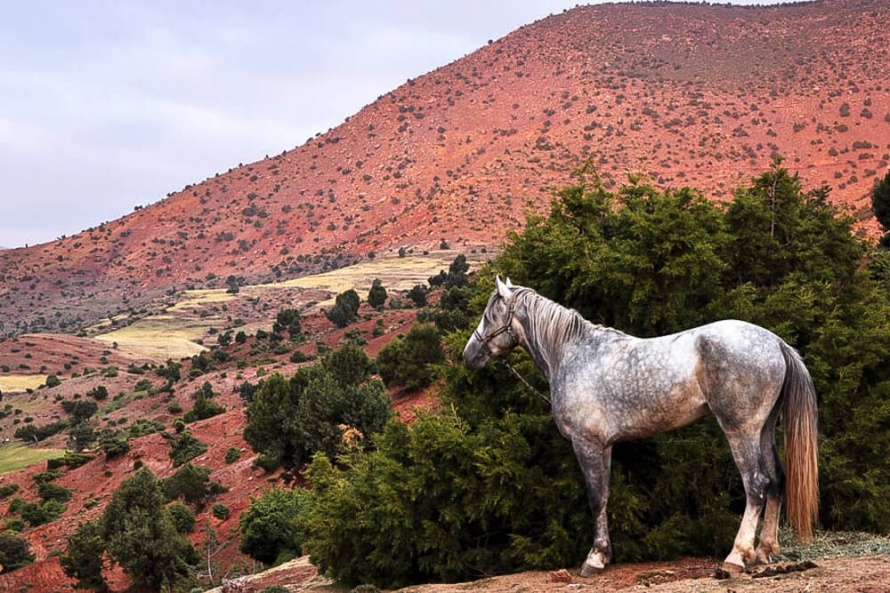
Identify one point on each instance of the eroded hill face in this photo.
(684, 95)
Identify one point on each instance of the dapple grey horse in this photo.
(607, 386)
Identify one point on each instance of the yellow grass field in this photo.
(159, 337)
(174, 334)
(396, 273)
(20, 383)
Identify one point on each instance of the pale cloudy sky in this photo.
(110, 104)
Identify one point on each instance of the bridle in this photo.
(506, 328)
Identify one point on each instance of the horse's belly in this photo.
(669, 415)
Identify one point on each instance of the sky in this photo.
(112, 104)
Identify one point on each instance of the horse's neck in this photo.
(547, 327)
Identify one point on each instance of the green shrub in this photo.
(288, 420)
(345, 309)
(71, 460)
(39, 514)
(377, 294)
(184, 447)
(192, 484)
(232, 455)
(269, 532)
(50, 491)
(8, 489)
(114, 444)
(220, 511)
(408, 362)
(182, 516)
(15, 552)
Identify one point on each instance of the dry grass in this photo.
(174, 334)
(160, 337)
(834, 544)
(20, 383)
(396, 273)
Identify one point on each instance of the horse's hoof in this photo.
(733, 569)
(589, 569)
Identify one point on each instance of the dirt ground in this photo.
(866, 574)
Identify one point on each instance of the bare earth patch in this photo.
(866, 574)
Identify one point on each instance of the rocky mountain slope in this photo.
(682, 94)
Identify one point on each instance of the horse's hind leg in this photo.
(748, 456)
(595, 463)
(769, 532)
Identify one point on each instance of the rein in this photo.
(527, 384)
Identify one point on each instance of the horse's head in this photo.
(495, 335)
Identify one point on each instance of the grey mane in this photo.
(550, 327)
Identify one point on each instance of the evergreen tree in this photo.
(289, 320)
(408, 361)
(269, 531)
(290, 419)
(345, 309)
(141, 537)
(15, 552)
(880, 205)
(84, 558)
(377, 294)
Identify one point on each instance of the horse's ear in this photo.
(503, 289)
(509, 284)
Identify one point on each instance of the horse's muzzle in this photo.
(475, 356)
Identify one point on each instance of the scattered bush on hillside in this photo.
(113, 443)
(289, 320)
(71, 460)
(232, 455)
(456, 275)
(204, 406)
(15, 552)
(418, 294)
(143, 427)
(220, 511)
(269, 533)
(377, 294)
(35, 434)
(409, 361)
(35, 513)
(50, 491)
(100, 393)
(169, 371)
(80, 410)
(182, 516)
(192, 484)
(7, 489)
(345, 309)
(184, 447)
(290, 419)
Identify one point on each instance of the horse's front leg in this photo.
(595, 461)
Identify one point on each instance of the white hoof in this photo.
(595, 563)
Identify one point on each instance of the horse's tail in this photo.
(801, 448)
